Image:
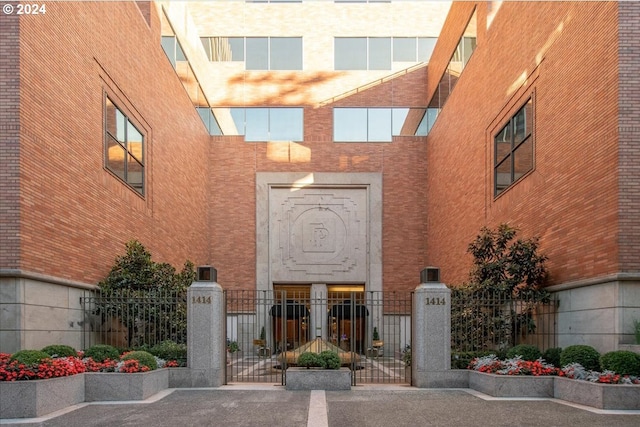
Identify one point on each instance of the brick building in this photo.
(336, 150)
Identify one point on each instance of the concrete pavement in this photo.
(364, 406)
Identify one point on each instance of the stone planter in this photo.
(601, 396)
(511, 385)
(35, 398)
(116, 386)
(318, 379)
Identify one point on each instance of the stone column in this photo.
(318, 321)
(431, 326)
(206, 347)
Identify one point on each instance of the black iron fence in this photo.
(130, 319)
(268, 330)
(487, 320)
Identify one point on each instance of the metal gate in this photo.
(268, 330)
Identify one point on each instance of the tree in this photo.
(505, 285)
(147, 297)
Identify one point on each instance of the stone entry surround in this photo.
(319, 228)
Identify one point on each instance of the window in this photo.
(269, 124)
(375, 124)
(209, 120)
(258, 53)
(378, 53)
(513, 148)
(124, 147)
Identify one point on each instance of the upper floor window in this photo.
(377, 53)
(124, 147)
(269, 124)
(513, 147)
(258, 53)
(375, 124)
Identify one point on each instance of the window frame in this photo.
(507, 157)
(126, 148)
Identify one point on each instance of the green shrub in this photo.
(330, 360)
(526, 351)
(29, 357)
(102, 352)
(144, 359)
(309, 360)
(621, 362)
(170, 350)
(585, 355)
(60, 350)
(552, 356)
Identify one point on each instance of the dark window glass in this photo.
(124, 147)
(514, 149)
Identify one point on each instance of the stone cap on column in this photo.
(430, 275)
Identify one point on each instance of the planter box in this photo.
(511, 385)
(116, 386)
(35, 398)
(318, 379)
(601, 396)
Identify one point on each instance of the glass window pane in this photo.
(468, 46)
(432, 113)
(237, 114)
(206, 44)
(379, 125)
(398, 117)
(503, 143)
(350, 53)
(425, 47)
(121, 121)
(169, 47)
(519, 126)
(179, 53)
(404, 49)
(286, 124)
(110, 118)
(257, 53)
(349, 124)
(286, 53)
(134, 141)
(257, 124)
(503, 175)
(380, 53)
(237, 48)
(135, 173)
(115, 157)
(523, 159)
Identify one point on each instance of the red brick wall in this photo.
(234, 164)
(9, 141)
(629, 129)
(564, 54)
(75, 215)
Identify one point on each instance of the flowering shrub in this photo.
(578, 372)
(45, 368)
(516, 366)
(14, 370)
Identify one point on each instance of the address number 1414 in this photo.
(436, 301)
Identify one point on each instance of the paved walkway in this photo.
(363, 406)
